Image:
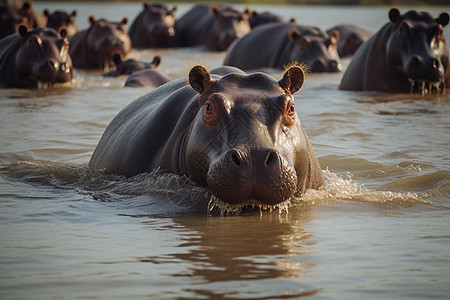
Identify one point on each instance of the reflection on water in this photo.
(378, 227)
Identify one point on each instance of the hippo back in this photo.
(126, 148)
(8, 47)
(266, 46)
(194, 26)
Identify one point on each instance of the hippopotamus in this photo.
(94, 47)
(13, 14)
(266, 17)
(237, 134)
(131, 65)
(154, 27)
(40, 55)
(215, 26)
(148, 77)
(62, 20)
(408, 54)
(350, 38)
(278, 44)
(31, 17)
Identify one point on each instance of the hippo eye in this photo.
(210, 114)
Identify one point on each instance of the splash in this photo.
(235, 209)
(346, 189)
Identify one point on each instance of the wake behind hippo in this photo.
(237, 134)
(408, 54)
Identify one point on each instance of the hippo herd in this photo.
(235, 132)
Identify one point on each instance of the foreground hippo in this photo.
(131, 65)
(237, 134)
(277, 45)
(62, 20)
(94, 47)
(37, 56)
(408, 54)
(350, 38)
(215, 26)
(154, 27)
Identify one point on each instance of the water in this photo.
(378, 229)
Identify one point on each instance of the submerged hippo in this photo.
(408, 54)
(350, 38)
(276, 45)
(37, 56)
(94, 47)
(238, 134)
(131, 65)
(62, 20)
(215, 26)
(149, 77)
(154, 27)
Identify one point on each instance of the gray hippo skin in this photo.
(237, 134)
(214, 26)
(154, 27)
(95, 47)
(37, 56)
(278, 44)
(62, 20)
(408, 54)
(351, 38)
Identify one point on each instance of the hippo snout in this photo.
(242, 175)
(323, 65)
(424, 68)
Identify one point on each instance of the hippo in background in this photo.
(408, 54)
(350, 38)
(277, 45)
(239, 135)
(13, 14)
(94, 47)
(32, 57)
(62, 20)
(131, 65)
(154, 27)
(215, 26)
(151, 78)
(266, 17)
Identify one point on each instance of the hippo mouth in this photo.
(424, 87)
(225, 208)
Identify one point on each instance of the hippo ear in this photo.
(443, 19)
(63, 33)
(46, 13)
(23, 30)
(156, 61)
(214, 10)
(26, 6)
(334, 34)
(145, 5)
(74, 13)
(394, 15)
(199, 79)
(174, 9)
(293, 79)
(124, 21)
(91, 19)
(294, 34)
(292, 20)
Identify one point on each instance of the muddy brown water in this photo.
(378, 229)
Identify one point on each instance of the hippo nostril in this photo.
(435, 63)
(270, 158)
(52, 65)
(416, 60)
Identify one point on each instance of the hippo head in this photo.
(62, 20)
(229, 24)
(10, 19)
(247, 143)
(131, 65)
(159, 20)
(43, 56)
(416, 49)
(316, 49)
(105, 38)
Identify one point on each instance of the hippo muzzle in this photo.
(243, 175)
